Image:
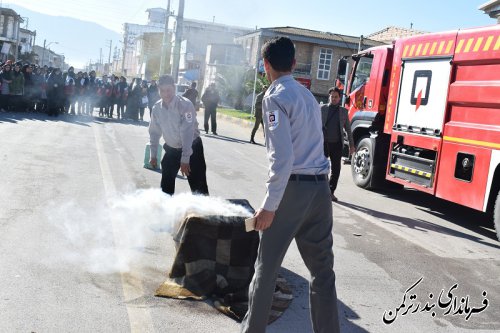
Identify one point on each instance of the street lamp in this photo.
(45, 49)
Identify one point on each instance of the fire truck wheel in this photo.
(362, 163)
(496, 215)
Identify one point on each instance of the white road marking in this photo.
(139, 318)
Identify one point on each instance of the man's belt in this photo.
(308, 178)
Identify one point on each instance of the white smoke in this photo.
(109, 238)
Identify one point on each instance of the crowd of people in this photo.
(27, 87)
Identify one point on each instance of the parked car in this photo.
(181, 88)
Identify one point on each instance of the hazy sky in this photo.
(355, 18)
(346, 17)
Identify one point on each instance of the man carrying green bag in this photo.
(174, 118)
(147, 157)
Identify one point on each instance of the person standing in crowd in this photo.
(29, 88)
(69, 93)
(107, 92)
(5, 89)
(92, 92)
(113, 81)
(258, 114)
(100, 100)
(69, 90)
(153, 96)
(335, 120)
(102, 96)
(81, 84)
(144, 100)
(121, 96)
(38, 83)
(210, 100)
(134, 99)
(69, 74)
(174, 118)
(55, 92)
(44, 75)
(17, 88)
(192, 94)
(297, 203)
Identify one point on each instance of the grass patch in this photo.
(236, 113)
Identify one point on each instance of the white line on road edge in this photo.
(139, 318)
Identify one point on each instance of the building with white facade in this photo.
(9, 34)
(133, 58)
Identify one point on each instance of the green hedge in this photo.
(236, 113)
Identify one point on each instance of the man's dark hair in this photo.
(166, 80)
(280, 53)
(337, 89)
(193, 84)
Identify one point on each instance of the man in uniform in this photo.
(174, 117)
(297, 203)
(258, 113)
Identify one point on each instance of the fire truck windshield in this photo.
(362, 73)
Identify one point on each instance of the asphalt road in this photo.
(72, 259)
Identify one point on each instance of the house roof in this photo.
(314, 37)
(391, 33)
(156, 9)
(11, 12)
(323, 35)
(489, 5)
(491, 8)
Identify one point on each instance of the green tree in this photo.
(231, 82)
(236, 82)
(259, 86)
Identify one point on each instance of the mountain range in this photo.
(79, 41)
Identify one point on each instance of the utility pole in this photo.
(16, 33)
(43, 54)
(109, 56)
(360, 45)
(116, 56)
(257, 64)
(165, 47)
(34, 40)
(125, 46)
(178, 40)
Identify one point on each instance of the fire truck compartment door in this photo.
(423, 93)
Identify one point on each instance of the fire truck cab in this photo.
(425, 113)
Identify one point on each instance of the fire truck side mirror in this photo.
(341, 67)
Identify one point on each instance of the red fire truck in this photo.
(425, 113)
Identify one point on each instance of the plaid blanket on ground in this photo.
(215, 258)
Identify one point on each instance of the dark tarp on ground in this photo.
(215, 258)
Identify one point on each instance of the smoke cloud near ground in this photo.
(108, 239)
